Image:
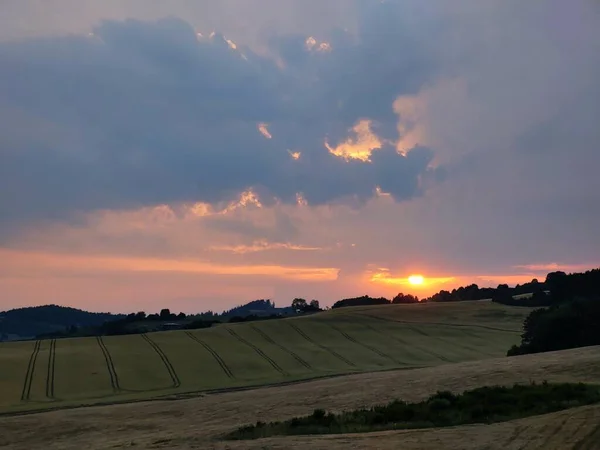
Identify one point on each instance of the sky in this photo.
(200, 155)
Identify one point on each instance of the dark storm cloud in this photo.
(145, 113)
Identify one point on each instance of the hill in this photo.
(66, 372)
(200, 422)
(26, 323)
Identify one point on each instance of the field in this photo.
(200, 421)
(52, 374)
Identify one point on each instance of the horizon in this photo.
(195, 156)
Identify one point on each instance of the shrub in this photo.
(481, 405)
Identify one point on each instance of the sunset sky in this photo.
(199, 154)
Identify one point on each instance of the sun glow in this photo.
(416, 280)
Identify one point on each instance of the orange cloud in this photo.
(27, 263)
(552, 267)
(295, 155)
(314, 45)
(411, 110)
(361, 146)
(264, 130)
(261, 246)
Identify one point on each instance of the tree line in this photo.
(572, 318)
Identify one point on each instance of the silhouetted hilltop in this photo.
(257, 308)
(29, 322)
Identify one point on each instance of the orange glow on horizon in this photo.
(25, 262)
(417, 281)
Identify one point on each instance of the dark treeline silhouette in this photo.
(405, 298)
(503, 293)
(360, 301)
(300, 305)
(29, 322)
(569, 324)
(573, 318)
(141, 322)
(567, 287)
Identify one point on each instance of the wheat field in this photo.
(199, 422)
(51, 374)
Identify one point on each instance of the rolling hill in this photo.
(57, 373)
(26, 323)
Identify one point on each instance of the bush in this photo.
(481, 405)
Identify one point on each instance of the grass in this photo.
(68, 372)
(487, 405)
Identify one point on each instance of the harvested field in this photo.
(198, 422)
(69, 372)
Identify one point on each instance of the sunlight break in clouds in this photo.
(295, 155)
(359, 147)
(263, 128)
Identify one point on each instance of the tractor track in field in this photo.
(413, 345)
(114, 377)
(213, 352)
(590, 441)
(446, 341)
(518, 431)
(458, 325)
(327, 349)
(50, 372)
(404, 343)
(165, 359)
(578, 428)
(269, 339)
(556, 429)
(362, 344)
(258, 351)
(30, 371)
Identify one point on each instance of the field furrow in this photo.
(293, 354)
(82, 370)
(51, 370)
(26, 393)
(213, 353)
(139, 366)
(165, 360)
(110, 366)
(362, 344)
(327, 349)
(258, 351)
(409, 354)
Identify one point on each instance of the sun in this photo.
(416, 280)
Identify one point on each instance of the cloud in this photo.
(359, 148)
(143, 113)
(444, 138)
(26, 263)
(553, 267)
(262, 246)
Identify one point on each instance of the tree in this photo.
(165, 314)
(314, 305)
(299, 304)
(405, 298)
